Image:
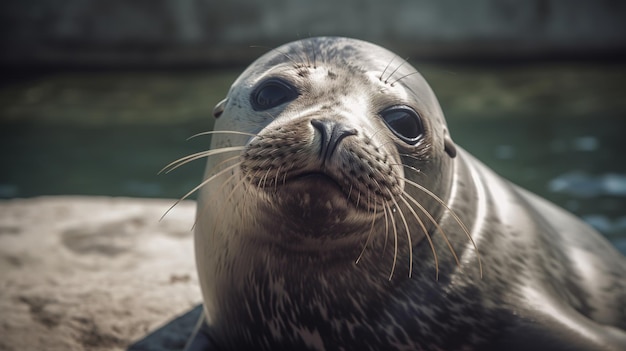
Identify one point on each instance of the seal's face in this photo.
(336, 126)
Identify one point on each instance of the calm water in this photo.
(556, 129)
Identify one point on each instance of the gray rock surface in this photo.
(96, 273)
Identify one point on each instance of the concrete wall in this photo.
(179, 32)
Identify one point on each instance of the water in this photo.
(556, 129)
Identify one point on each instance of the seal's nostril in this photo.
(331, 133)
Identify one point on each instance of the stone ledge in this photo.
(96, 273)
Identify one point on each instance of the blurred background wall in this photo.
(189, 32)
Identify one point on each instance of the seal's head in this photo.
(330, 160)
(334, 128)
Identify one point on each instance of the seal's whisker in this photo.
(413, 157)
(349, 193)
(430, 217)
(422, 151)
(303, 52)
(184, 160)
(380, 189)
(223, 162)
(204, 182)
(314, 50)
(276, 178)
(218, 165)
(219, 190)
(416, 170)
(271, 115)
(396, 70)
(227, 200)
(303, 55)
(376, 132)
(386, 68)
(408, 235)
(254, 176)
(369, 235)
(311, 60)
(222, 132)
(247, 191)
(261, 180)
(456, 218)
(426, 234)
(264, 178)
(395, 240)
(386, 230)
(404, 76)
(246, 186)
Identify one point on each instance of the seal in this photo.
(336, 213)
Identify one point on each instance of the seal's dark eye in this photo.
(271, 93)
(404, 122)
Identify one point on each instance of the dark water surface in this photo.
(557, 129)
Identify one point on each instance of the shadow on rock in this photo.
(171, 336)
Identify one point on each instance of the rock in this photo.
(96, 273)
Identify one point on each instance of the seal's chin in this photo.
(313, 192)
(322, 189)
(313, 200)
(318, 179)
(310, 212)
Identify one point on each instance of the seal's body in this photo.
(338, 214)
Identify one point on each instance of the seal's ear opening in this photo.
(449, 146)
(219, 108)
